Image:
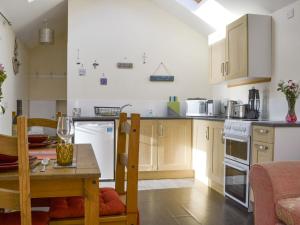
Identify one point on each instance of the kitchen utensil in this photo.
(230, 108)
(45, 163)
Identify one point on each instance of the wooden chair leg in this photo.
(132, 219)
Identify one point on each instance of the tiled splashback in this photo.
(144, 107)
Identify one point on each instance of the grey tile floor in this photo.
(185, 202)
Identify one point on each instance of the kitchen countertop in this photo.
(111, 118)
(275, 124)
(266, 123)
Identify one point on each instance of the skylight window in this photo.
(214, 14)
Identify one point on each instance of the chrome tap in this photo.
(124, 106)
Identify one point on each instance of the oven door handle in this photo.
(234, 165)
(235, 139)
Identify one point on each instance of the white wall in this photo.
(15, 86)
(109, 31)
(286, 64)
(48, 69)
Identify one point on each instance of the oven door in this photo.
(237, 181)
(238, 149)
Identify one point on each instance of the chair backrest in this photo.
(128, 157)
(36, 122)
(18, 146)
(40, 122)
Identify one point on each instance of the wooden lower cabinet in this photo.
(208, 153)
(165, 149)
(262, 152)
(217, 157)
(174, 144)
(148, 145)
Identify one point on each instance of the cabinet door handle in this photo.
(227, 68)
(261, 147)
(222, 69)
(207, 133)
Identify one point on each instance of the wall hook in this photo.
(144, 58)
(78, 60)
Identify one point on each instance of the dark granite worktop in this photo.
(275, 124)
(111, 118)
(266, 123)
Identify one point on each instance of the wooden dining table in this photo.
(82, 180)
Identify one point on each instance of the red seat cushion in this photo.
(73, 207)
(38, 218)
(40, 202)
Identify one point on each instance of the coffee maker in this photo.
(254, 104)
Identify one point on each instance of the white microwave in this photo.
(196, 107)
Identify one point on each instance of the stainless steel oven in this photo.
(238, 149)
(237, 181)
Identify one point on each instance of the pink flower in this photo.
(1, 67)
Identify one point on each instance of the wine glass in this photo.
(65, 128)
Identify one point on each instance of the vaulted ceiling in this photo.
(27, 15)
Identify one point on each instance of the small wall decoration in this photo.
(15, 61)
(123, 65)
(3, 77)
(103, 80)
(167, 77)
(95, 64)
(82, 71)
(145, 58)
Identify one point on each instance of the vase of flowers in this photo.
(291, 90)
(3, 77)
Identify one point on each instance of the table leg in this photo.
(91, 187)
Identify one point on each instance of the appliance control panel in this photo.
(237, 128)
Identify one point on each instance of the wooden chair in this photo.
(37, 122)
(19, 199)
(126, 213)
(40, 122)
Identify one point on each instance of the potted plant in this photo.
(3, 77)
(291, 90)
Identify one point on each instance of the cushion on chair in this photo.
(73, 207)
(38, 218)
(288, 211)
(40, 202)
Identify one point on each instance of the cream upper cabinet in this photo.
(237, 49)
(148, 145)
(217, 62)
(249, 47)
(174, 144)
